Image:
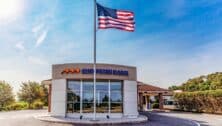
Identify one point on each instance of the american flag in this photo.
(112, 18)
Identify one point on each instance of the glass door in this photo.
(73, 97)
(80, 99)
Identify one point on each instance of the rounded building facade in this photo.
(72, 91)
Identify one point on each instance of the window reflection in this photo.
(73, 96)
(102, 97)
(74, 85)
(87, 96)
(116, 107)
(87, 101)
(116, 97)
(87, 107)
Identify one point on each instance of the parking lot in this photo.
(27, 118)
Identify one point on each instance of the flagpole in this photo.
(94, 64)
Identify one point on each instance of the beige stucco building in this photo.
(72, 91)
(118, 93)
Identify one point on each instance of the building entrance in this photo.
(109, 96)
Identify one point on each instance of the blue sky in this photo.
(174, 39)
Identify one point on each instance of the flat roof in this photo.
(120, 65)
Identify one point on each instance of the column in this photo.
(160, 101)
(140, 101)
(58, 106)
(148, 102)
(130, 99)
(49, 97)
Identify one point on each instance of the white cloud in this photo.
(37, 61)
(37, 28)
(41, 38)
(40, 32)
(20, 46)
(165, 71)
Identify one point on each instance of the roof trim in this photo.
(142, 87)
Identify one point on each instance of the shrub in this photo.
(37, 105)
(155, 105)
(17, 106)
(200, 101)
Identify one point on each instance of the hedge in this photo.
(23, 106)
(155, 105)
(37, 105)
(200, 101)
(16, 106)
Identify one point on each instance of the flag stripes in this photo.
(117, 27)
(117, 20)
(112, 18)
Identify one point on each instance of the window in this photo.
(73, 96)
(87, 101)
(105, 98)
(102, 97)
(116, 97)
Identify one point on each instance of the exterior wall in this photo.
(58, 94)
(49, 97)
(58, 98)
(58, 68)
(130, 99)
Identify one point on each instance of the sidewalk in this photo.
(47, 118)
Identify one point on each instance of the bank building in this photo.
(118, 92)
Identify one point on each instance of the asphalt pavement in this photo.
(27, 118)
(201, 118)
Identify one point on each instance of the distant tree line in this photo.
(32, 95)
(209, 82)
(200, 94)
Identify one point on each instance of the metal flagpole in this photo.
(94, 64)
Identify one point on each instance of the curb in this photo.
(195, 122)
(140, 119)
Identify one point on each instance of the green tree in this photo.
(45, 97)
(31, 92)
(202, 83)
(174, 87)
(6, 94)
